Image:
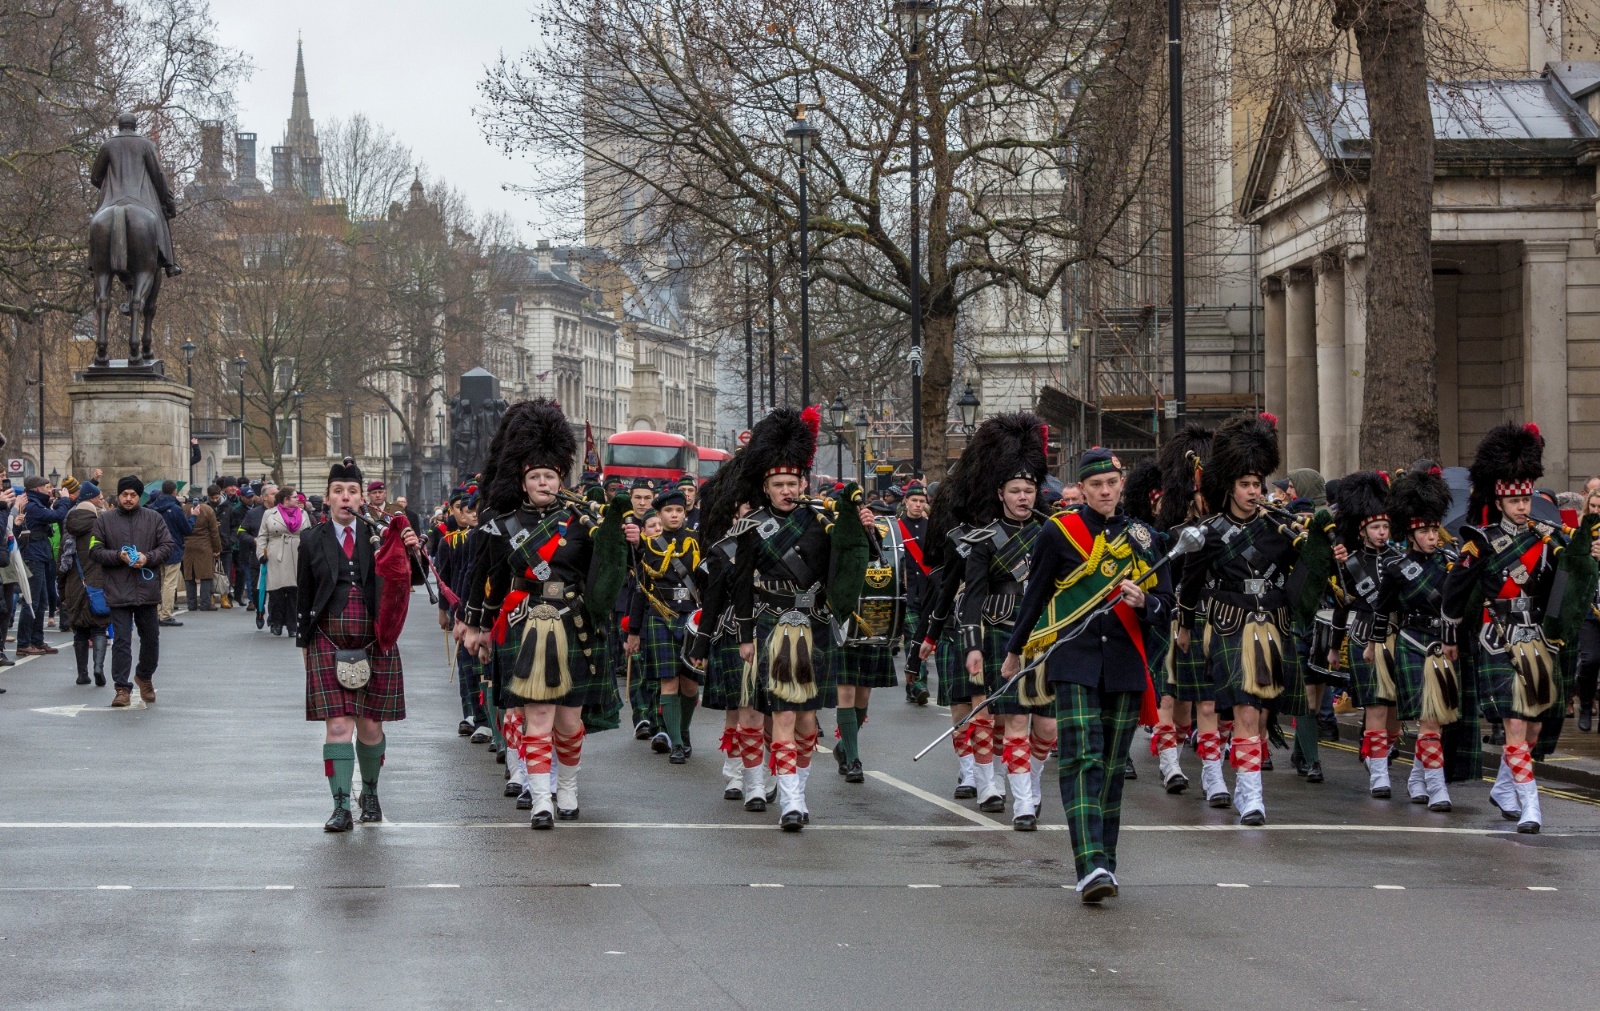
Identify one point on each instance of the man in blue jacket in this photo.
(40, 517)
(165, 504)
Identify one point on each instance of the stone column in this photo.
(1331, 372)
(1544, 351)
(1355, 349)
(1273, 378)
(1446, 331)
(1302, 433)
(130, 425)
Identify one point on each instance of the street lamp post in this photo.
(744, 258)
(772, 327)
(299, 435)
(239, 365)
(189, 348)
(862, 426)
(787, 358)
(1180, 347)
(837, 413)
(764, 334)
(347, 439)
(803, 136)
(914, 16)
(968, 406)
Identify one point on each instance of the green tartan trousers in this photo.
(1095, 732)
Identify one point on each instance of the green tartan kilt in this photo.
(592, 681)
(994, 657)
(1497, 678)
(865, 666)
(823, 658)
(661, 649)
(953, 687)
(1408, 665)
(1227, 669)
(723, 679)
(1191, 671)
(1158, 645)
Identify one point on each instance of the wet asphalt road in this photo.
(172, 856)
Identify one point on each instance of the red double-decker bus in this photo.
(660, 456)
(711, 461)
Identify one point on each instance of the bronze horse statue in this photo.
(128, 237)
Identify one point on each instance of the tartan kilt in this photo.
(994, 657)
(1497, 678)
(823, 657)
(720, 681)
(1408, 665)
(865, 666)
(1364, 678)
(660, 650)
(1158, 646)
(1191, 671)
(954, 687)
(1227, 669)
(383, 698)
(591, 676)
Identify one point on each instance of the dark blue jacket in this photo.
(39, 519)
(178, 525)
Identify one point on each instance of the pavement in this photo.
(172, 856)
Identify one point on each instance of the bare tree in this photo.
(668, 120)
(365, 165)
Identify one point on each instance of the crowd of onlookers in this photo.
(112, 568)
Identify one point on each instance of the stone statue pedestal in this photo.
(130, 422)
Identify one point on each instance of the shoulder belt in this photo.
(913, 546)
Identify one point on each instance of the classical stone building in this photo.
(1515, 265)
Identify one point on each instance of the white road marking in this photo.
(276, 888)
(923, 886)
(1390, 888)
(605, 884)
(980, 825)
(62, 710)
(441, 886)
(953, 808)
(114, 888)
(1540, 888)
(764, 884)
(1232, 884)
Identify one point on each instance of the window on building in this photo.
(235, 446)
(286, 436)
(336, 437)
(283, 375)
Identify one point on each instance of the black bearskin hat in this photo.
(1182, 461)
(1142, 493)
(719, 500)
(1418, 498)
(1362, 498)
(945, 513)
(783, 442)
(344, 470)
(1243, 445)
(1508, 461)
(1005, 447)
(533, 433)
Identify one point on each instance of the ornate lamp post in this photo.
(803, 137)
(914, 16)
(743, 259)
(347, 440)
(968, 406)
(763, 335)
(787, 358)
(862, 425)
(239, 365)
(838, 413)
(299, 434)
(189, 348)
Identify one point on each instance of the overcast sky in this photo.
(411, 65)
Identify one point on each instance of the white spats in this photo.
(1023, 802)
(567, 787)
(1170, 768)
(1416, 784)
(1378, 776)
(789, 795)
(1211, 782)
(1503, 794)
(967, 776)
(984, 779)
(1438, 792)
(1528, 803)
(753, 783)
(1247, 798)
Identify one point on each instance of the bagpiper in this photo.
(1504, 602)
(796, 567)
(945, 552)
(664, 597)
(866, 652)
(354, 584)
(543, 583)
(1363, 549)
(1095, 660)
(1188, 695)
(1241, 577)
(1408, 609)
(1005, 465)
(913, 524)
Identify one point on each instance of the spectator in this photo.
(260, 502)
(222, 504)
(1071, 495)
(131, 544)
(201, 549)
(279, 546)
(13, 571)
(1308, 484)
(1591, 486)
(179, 526)
(41, 515)
(88, 628)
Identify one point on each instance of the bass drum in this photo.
(881, 614)
(1322, 640)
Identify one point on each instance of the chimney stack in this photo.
(244, 155)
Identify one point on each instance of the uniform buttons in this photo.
(1102, 638)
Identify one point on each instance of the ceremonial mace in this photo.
(1190, 539)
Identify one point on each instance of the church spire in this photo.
(297, 162)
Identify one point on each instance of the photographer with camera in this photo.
(131, 543)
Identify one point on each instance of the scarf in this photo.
(292, 517)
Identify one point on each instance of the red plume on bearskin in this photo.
(784, 441)
(812, 419)
(393, 565)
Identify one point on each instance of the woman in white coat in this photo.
(278, 545)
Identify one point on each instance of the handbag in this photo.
(97, 597)
(352, 668)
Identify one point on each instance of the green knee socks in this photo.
(339, 765)
(687, 704)
(1305, 738)
(849, 725)
(371, 758)
(672, 718)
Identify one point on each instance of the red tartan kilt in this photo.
(383, 698)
